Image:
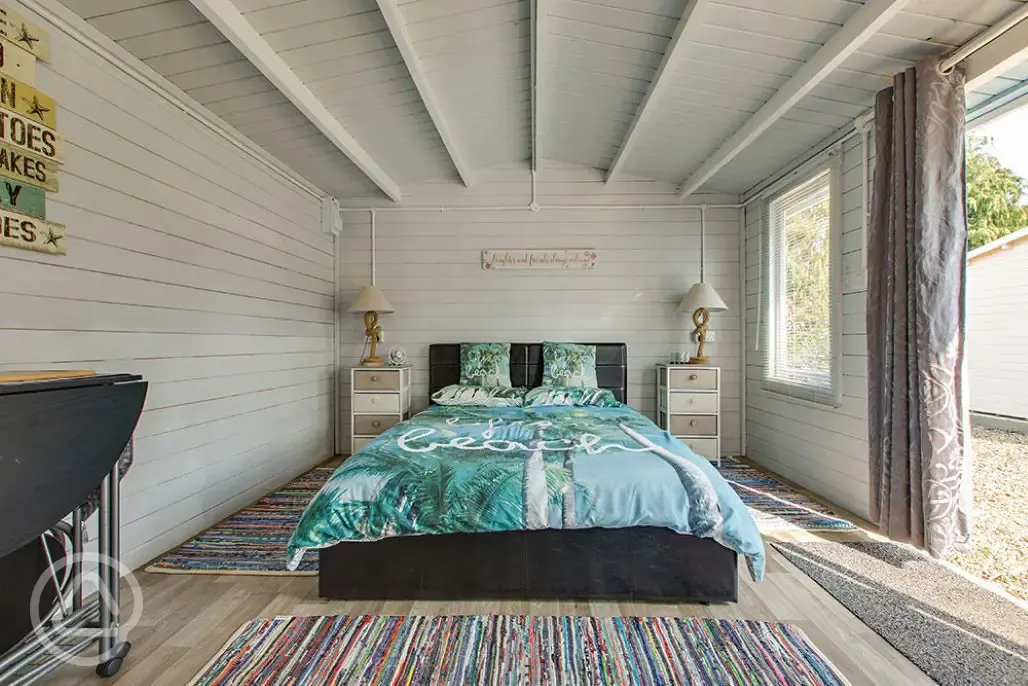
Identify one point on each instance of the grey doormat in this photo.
(956, 631)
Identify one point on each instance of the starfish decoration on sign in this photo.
(37, 109)
(27, 38)
(52, 238)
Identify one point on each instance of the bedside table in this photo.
(379, 398)
(689, 406)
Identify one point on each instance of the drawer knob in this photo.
(374, 400)
(692, 422)
(374, 377)
(376, 423)
(693, 377)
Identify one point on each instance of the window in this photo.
(803, 299)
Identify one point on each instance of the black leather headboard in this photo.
(526, 366)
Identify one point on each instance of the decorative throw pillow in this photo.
(479, 396)
(485, 364)
(567, 365)
(580, 396)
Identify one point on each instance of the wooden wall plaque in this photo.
(23, 166)
(19, 63)
(24, 33)
(22, 198)
(22, 98)
(21, 231)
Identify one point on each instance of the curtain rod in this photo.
(984, 38)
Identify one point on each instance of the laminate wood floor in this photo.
(187, 618)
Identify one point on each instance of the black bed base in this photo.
(641, 563)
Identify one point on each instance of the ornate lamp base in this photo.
(701, 318)
(374, 332)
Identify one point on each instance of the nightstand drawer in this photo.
(693, 379)
(693, 425)
(704, 447)
(374, 403)
(693, 402)
(376, 380)
(359, 443)
(373, 424)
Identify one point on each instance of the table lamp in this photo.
(371, 302)
(701, 300)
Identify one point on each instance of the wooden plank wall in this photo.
(825, 449)
(429, 266)
(189, 263)
(996, 331)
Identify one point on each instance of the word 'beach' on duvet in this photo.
(587, 442)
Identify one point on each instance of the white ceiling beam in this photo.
(997, 57)
(401, 36)
(860, 27)
(537, 15)
(224, 15)
(686, 29)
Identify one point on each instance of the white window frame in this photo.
(773, 383)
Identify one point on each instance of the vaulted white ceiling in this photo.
(369, 97)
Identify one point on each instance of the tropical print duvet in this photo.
(460, 469)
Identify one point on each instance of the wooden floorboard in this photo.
(187, 618)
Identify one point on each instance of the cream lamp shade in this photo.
(701, 300)
(370, 299)
(371, 302)
(702, 295)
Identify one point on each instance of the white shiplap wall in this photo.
(997, 330)
(429, 266)
(192, 265)
(824, 449)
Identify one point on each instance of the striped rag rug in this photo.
(514, 650)
(776, 506)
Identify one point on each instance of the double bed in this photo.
(565, 502)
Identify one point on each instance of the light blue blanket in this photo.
(473, 469)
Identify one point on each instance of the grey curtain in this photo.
(917, 257)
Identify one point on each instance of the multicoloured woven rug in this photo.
(252, 541)
(513, 650)
(777, 506)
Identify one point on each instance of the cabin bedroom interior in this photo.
(257, 197)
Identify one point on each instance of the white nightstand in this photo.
(379, 398)
(689, 406)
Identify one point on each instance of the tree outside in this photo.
(995, 195)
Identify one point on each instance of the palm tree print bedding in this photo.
(463, 469)
(485, 364)
(569, 365)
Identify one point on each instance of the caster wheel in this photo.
(109, 668)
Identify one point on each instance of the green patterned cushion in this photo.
(569, 365)
(548, 395)
(485, 364)
(480, 396)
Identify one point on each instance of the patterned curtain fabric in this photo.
(917, 257)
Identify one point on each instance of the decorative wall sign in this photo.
(24, 166)
(558, 258)
(21, 231)
(24, 99)
(23, 198)
(24, 33)
(31, 136)
(19, 63)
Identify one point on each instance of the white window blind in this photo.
(802, 299)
